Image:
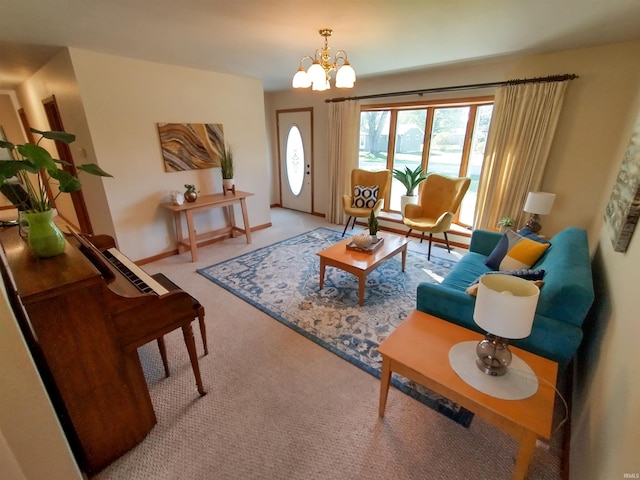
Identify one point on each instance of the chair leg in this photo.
(421, 237)
(407, 235)
(429, 252)
(163, 355)
(346, 225)
(354, 223)
(446, 239)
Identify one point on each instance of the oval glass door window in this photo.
(295, 160)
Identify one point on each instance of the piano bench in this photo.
(199, 312)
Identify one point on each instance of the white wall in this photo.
(124, 99)
(605, 440)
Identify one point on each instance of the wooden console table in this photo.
(208, 202)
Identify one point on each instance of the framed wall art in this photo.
(623, 209)
(190, 146)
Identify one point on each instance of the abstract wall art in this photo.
(190, 146)
(623, 209)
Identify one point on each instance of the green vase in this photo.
(45, 238)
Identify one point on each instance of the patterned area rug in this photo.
(282, 280)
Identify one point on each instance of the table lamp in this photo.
(538, 203)
(505, 307)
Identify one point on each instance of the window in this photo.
(295, 160)
(447, 137)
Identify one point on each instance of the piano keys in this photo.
(83, 321)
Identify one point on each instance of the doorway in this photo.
(295, 156)
(64, 154)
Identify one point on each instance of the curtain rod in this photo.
(551, 78)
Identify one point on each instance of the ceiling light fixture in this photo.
(317, 76)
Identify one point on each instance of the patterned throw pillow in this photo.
(365, 197)
(514, 252)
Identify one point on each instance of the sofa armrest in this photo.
(447, 303)
(484, 241)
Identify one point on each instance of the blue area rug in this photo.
(282, 280)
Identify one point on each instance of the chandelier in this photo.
(317, 76)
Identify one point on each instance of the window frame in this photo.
(430, 106)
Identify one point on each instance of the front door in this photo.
(296, 159)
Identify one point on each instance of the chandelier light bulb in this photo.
(301, 79)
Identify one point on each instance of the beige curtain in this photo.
(523, 123)
(344, 139)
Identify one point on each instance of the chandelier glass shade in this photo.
(317, 76)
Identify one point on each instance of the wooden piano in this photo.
(83, 320)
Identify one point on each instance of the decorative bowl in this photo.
(362, 240)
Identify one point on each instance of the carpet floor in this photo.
(282, 407)
(282, 280)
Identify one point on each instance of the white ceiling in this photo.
(265, 39)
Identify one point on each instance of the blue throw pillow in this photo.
(525, 273)
(514, 252)
(527, 233)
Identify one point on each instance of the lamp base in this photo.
(518, 383)
(494, 355)
(534, 223)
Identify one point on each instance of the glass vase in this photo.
(45, 238)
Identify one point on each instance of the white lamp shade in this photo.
(301, 79)
(539, 203)
(506, 305)
(316, 73)
(345, 77)
(321, 86)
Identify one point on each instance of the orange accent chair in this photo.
(360, 206)
(438, 200)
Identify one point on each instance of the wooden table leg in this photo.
(404, 256)
(525, 452)
(245, 219)
(232, 220)
(179, 236)
(362, 281)
(322, 268)
(187, 332)
(385, 380)
(193, 243)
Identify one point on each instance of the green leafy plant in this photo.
(372, 223)
(31, 158)
(506, 222)
(226, 163)
(410, 178)
(190, 188)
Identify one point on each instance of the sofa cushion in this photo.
(514, 252)
(365, 197)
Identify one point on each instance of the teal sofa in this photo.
(565, 297)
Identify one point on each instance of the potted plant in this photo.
(33, 169)
(226, 168)
(373, 225)
(506, 223)
(410, 179)
(190, 194)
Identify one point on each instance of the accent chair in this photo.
(368, 191)
(439, 198)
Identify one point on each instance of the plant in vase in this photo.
(410, 179)
(505, 223)
(190, 194)
(33, 170)
(226, 169)
(373, 225)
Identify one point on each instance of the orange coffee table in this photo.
(419, 350)
(361, 264)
